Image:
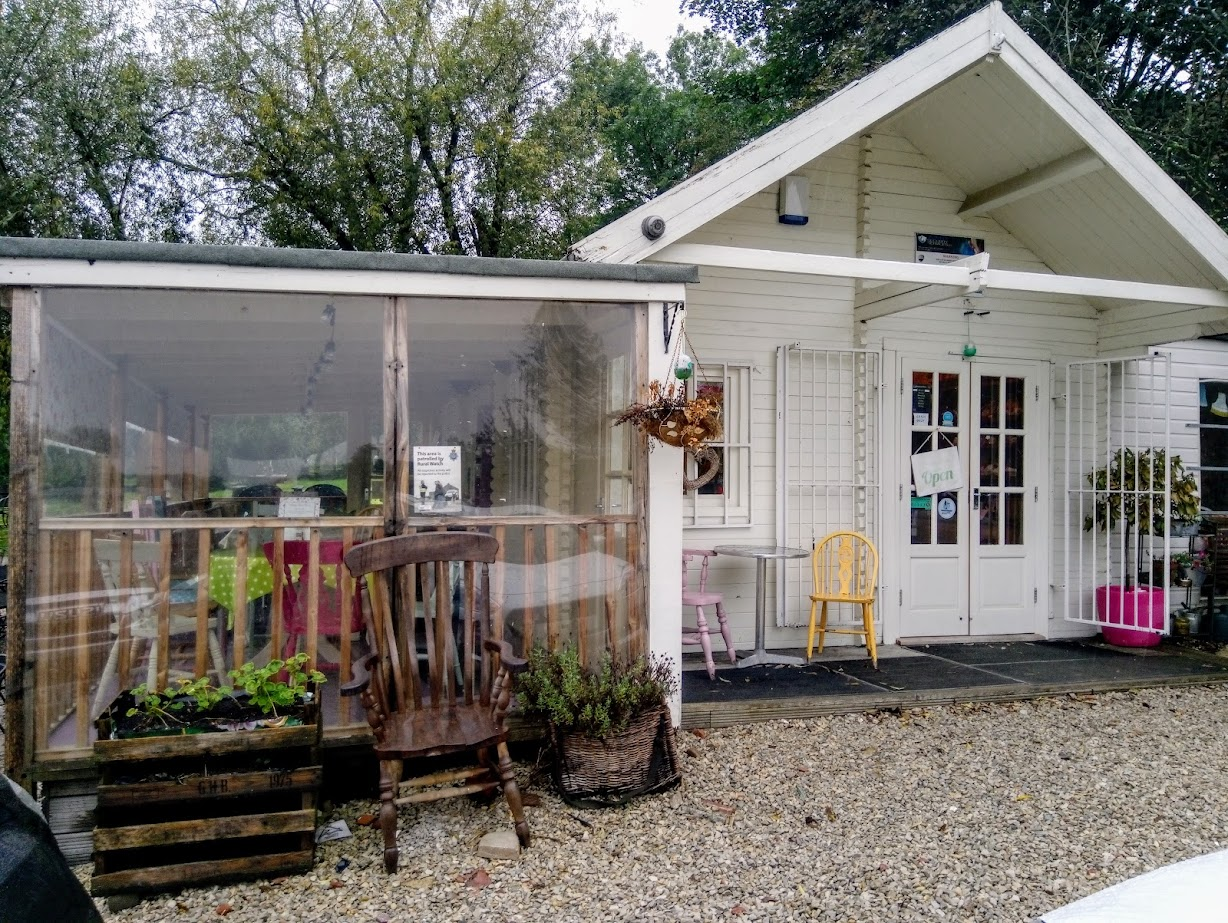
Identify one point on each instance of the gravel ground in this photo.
(968, 813)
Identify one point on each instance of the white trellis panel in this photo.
(1115, 406)
(828, 450)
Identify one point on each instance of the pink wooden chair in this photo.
(699, 598)
(294, 594)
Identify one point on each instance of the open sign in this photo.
(936, 471)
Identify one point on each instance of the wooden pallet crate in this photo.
(205, 808)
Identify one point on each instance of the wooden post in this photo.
(157, 467)
(239, 613)
(552, 582)
(637, 532)
(115, 460)
(81, 636)
(25, 480)
(612, 639)
(358, 467)
(189, 458)
(203, 545)
(312, 572)
(203, 465)
(582, 579)
(530, 596)
(164, 609)
(278, 616)
(396, 414)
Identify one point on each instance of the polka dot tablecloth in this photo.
(222, 565)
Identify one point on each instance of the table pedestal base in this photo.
(758, 658)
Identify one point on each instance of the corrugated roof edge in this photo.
(123, 251)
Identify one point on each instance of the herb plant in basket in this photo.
(610, 727)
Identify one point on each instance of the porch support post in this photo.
(114, 500)
(358, 455)
(157, 473)
(396, 414)
(189, 455)
(25, 461)
(203, 462)
(664, 517)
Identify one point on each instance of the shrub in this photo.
(557, 687)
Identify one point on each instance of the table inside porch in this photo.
(762, 554)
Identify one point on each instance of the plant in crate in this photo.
(1128, 499)
(610, 727)
(277, 694)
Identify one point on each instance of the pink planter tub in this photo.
(1116, 605)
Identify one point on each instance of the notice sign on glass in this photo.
(947, 248)
(937, 471)
(436, 479)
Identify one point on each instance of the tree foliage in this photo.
(660, 121)
(84, 110)
(1159, 67)
(409, 125)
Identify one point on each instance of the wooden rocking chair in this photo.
(447, 710)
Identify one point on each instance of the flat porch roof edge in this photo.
(123, 251)
(728, 714)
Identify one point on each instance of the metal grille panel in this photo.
(828, 450)
(1117, 422)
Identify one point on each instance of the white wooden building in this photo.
(913, 263)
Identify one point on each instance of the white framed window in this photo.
(726, 499)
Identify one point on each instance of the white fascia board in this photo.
(1113, 145)
(787, 148)
(1055, 173)
(970, 274)
(816, 264)
(1045, 284)
(203, 277)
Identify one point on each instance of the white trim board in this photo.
(973, 277)
(58, 273)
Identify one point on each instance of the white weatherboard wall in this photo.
(739, 316)
(868, 198)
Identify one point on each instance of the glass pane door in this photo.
(999, 490)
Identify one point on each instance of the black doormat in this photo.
(741, 684)
(906, 674)
(1116, 668)
(1012, 652)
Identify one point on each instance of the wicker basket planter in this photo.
(610, 770)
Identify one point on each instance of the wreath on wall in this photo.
(675, 418)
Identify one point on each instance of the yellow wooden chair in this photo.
(846, 571)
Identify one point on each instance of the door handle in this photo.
(976, 498)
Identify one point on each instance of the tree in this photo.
(662, 121)
(409, 125)
(82, 107)
(1158, 66)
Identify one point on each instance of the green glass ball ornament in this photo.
(685, 367)
(969, 350)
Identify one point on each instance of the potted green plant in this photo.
(277, 694)
(1129, 498)
(610, 727)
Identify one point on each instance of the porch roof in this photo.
(15, 250)
(233, 330)
(1027, 150)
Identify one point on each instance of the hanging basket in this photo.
(611, 770)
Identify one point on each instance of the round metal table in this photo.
(762, 554)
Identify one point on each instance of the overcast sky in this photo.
(652, 23)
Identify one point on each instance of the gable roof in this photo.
(928, 93)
